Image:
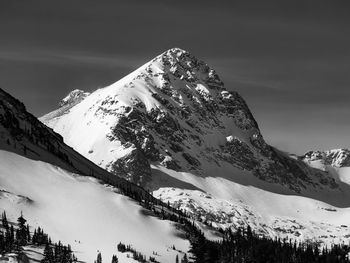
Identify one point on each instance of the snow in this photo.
(82, 212)
(266, 211)
(73, 96)
(344, 174)
(89, 137)
(33, 253)
(218, 191)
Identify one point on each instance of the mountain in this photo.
(172, 127)
(58, 189)
(336, 158)
(335, 162)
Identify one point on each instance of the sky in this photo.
(290, 60)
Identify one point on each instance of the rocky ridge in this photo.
(337, 158)
(172, 127)
(193, 119)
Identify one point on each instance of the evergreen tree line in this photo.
(58, 253)
(138, 256)
(99, 258)
(12, 239)
(245, 246)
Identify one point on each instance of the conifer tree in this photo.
(28, 233)
(99, 258)
(22, 234)
(48, 255)
(114, 259)
(4, 220)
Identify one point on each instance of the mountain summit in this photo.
(172, 127)
(176, 111)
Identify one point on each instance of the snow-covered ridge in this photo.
(176, 111)
(22, 133)
(56, 188)
(74, 97)
(172, 127)
(337, 157)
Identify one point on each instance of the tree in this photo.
(48, 255)
(99, 258)
(177, 259)
(22, 232)
(114, 259)
(28, 233)
(4, 220)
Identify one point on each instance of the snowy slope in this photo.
(176, 111)
(82, 212)
(172, 127)
(336, 158)
(60, 190)
(335, 162)
(227, 203)
(22, 133)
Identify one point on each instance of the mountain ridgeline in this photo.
(175, 111)
(172, 128)
(24, 134)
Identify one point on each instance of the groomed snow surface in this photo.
(82, 212)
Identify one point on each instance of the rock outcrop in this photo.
(176, 111)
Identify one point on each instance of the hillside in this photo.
(66, 194)
(172, 127)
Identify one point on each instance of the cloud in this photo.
(64, 57)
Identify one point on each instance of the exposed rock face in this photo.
(133, 167)
(175, 111)
(336, 158)
(17, 125)
(24, 134)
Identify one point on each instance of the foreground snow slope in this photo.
(173, 127)
(82, 212)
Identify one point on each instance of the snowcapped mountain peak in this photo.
(73, 97)
(174, 111)
(187, 67)
(172, 127)
(337, 157)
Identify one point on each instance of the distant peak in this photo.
(185, 66)
(178, 54)
(335, 157)
(73, 97)
(176, 50)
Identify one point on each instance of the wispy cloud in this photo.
(64, 56)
